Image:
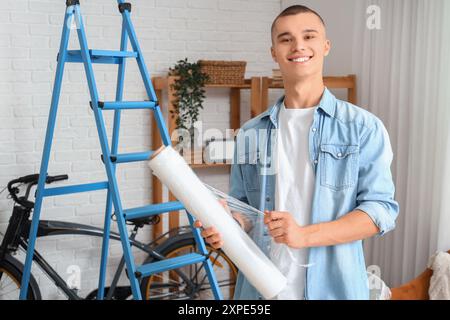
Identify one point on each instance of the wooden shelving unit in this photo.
(346, 82)
(162, 84)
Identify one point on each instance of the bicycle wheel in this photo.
(169, 286)
(11, 271)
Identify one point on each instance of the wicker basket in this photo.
(224, 72)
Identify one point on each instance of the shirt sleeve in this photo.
(376, 189)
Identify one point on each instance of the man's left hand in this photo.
(284, 229)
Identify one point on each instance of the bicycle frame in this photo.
(54, 228)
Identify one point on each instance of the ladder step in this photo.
(151, 210)
(119, 105)
(131, 157)
(169, 264)
(57, 191)
(100, 56)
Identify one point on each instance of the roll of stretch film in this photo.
(175, 174)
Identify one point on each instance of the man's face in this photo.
(299, 45)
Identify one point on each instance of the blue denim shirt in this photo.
(350, 152)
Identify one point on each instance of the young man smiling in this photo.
(333, 185)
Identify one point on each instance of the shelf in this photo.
(211, 165)
(206, 165)
(162, 83)
(276, 84)
(239, 86)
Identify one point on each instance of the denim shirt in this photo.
(351, 155)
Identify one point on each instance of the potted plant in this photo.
(189, 94)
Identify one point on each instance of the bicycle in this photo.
(189, 282)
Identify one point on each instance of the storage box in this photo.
(224, 72)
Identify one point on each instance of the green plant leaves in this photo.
(189, 93)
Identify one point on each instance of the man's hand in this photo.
(284, 229)
(353, 226)
(211, 234)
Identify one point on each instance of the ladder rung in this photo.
(131, 157)
(112, 53)
(57, 191)
(169, 264)
(151, 210)
(119, 105)
(100, 56)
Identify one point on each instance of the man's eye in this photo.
(309, 37)
(285, 40)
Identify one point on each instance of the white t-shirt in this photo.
(293, 192)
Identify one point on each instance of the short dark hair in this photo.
(293, 10)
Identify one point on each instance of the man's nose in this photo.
(298, 45)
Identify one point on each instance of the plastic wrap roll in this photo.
(172, 171)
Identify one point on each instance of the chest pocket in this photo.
(339, 166)
(250, 170)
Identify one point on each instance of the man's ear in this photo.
(274, 56)
(327, 47)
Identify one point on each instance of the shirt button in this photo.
(339, 154)
(267, 199)
(316, 161)
(314, 129)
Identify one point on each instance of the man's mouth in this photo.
(300, 59)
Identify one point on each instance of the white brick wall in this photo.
(168, 31)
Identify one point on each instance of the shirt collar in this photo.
(327, 104)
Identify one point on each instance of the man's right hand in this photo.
(212, 235)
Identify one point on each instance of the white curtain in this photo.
(403, 77)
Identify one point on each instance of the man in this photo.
(333, 186)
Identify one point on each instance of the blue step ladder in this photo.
(109, 156)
